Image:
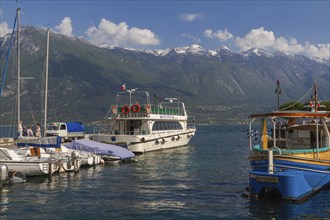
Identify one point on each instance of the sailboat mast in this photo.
(18, 67)
(46, 82)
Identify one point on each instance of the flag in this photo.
(278, 88)
(123, 87)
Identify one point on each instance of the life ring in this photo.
(125, 110)
(136, 108)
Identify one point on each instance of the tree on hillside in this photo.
(292, 106)
(324, 106)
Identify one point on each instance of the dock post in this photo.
(270, 162)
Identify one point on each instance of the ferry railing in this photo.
(167, 110)
(125, 111)
(100, 130)
(191, 122)
(109, 112)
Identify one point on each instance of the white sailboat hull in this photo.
(31, 168)
(29, 165)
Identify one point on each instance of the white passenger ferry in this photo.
(142, 126)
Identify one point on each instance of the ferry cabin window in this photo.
(134, 124)
(169, 125)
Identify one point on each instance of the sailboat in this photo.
(33, 164)
(46, 147)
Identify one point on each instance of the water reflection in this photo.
(202, 181)
(39, 192)
(157, 184)
(4, 199)
(317, 207)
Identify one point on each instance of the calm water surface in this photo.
(202, 181)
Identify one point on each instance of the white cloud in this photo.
(222, 35)
(208, 33)
(320, 50)
(4, 29)
(258, 38)
(194, 38)
(65, 27)
(109, 33)
(261, 38)
(190, 17)
(291, 46)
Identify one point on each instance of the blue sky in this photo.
(299, 27)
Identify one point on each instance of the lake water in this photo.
(204, 180)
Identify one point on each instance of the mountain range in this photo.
(218, 86)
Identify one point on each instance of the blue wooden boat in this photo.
(293, 159)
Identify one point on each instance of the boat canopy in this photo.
(44, 142)
(100, 149)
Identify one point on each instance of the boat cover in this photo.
(100, 148)
(44, 142)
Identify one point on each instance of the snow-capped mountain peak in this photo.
(257, 52)
(193, 49)
(223, 50)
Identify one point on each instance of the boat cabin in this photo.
(143, 127)
(134, 114)
(293, 131)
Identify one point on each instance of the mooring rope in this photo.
(298, 100)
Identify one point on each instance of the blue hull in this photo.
(294, 181)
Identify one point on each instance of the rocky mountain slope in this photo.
(217, 86)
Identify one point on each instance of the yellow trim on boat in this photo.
(325, 161)
(264, 135)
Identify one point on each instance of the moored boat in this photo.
(50, 147)
(10, 176)
(29, 165)
(293, 158)
(141, 126)
(107, 152)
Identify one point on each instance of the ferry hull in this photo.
(142, 144)
(160, 144)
